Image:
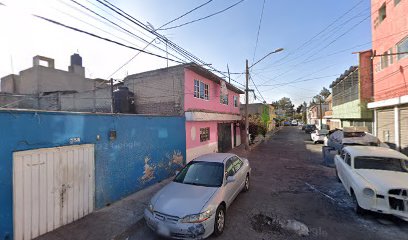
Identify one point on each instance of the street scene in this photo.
(263, 119)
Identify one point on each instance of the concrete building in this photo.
(351, 93)
(315, 114)
(390, 103)
(328, 119)
(263, 110)
(44, 87)
(209, 104)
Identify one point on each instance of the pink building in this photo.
(210, 105)
(390, 44)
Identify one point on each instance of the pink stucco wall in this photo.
(193, 139)
(213, 104)
(390, 82)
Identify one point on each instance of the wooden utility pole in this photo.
(246, 107)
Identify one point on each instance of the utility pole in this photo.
(321, 114)
(246, 107)
(113, 101)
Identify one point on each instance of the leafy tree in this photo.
(325, 93)
(285, 104)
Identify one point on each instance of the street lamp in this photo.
(246, 94)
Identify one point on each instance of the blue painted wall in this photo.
(122, 166)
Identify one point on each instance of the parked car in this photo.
(194, 204)
(309, 128)
(318, 136)
(376, 178)
(294, 123)
(338, 138)
(286, 123)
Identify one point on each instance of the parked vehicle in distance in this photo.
(339, 138)
(294, 123)
(194, 204)
(318, 136)
(286, 123)
(376, 178)
(309, 128)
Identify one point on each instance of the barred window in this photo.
(235, 101)
(204, 134)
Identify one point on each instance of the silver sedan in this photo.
(194, 204)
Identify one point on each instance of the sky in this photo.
(318, 37)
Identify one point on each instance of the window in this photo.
(347, 159)
(196, 88)
(207, 174)
(201, 90)
(381, 163)
(237, 163)
(235, 101)
(224, 99)
(396, 2)
(229, 168)
(204, 134)
(402, 47)
(384, 60)
(382, 13)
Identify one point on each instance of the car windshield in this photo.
(207, 174)
(381, 163)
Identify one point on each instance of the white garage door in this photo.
(51, 187)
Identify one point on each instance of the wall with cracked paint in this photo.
(147, 149)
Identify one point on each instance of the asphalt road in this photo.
(289, 182)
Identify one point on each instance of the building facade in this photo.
(390, 103)
(315, 114)
(266, 113)
(210, 105)
(352, 91)
(328, 120)
(44, 87)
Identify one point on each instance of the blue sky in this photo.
(227, 38)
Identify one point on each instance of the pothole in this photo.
(262, 223)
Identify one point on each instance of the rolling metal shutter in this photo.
(386, 127)
(404, 130)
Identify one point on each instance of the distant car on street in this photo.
(286, 123)
(309, 128)
(318, 136)
(194, 204)
(376, 178)
(294, 123)
(339, 138)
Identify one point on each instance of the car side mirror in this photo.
(230, 179)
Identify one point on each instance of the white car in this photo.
(318, 136)
(376, 178)
(194, 204)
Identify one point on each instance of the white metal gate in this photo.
(386, 126)
(51, 187)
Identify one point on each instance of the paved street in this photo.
(289, 182)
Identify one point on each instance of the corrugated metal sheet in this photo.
(386, 126)
(51, 187)
(404, 130)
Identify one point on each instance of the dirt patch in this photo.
(262, 223)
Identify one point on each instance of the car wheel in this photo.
(219, 223)
(246, 186)
(357, 208)
(337, 176)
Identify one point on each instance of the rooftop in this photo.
(372, 151)
(214, 157)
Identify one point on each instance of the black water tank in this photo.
(76, 59)
(124, 100)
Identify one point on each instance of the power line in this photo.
(259, 29)
(199, 19)
(183, 15)
(172, 45)
(103, 38)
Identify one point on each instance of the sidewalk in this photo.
(116, 220)
(109, 222)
